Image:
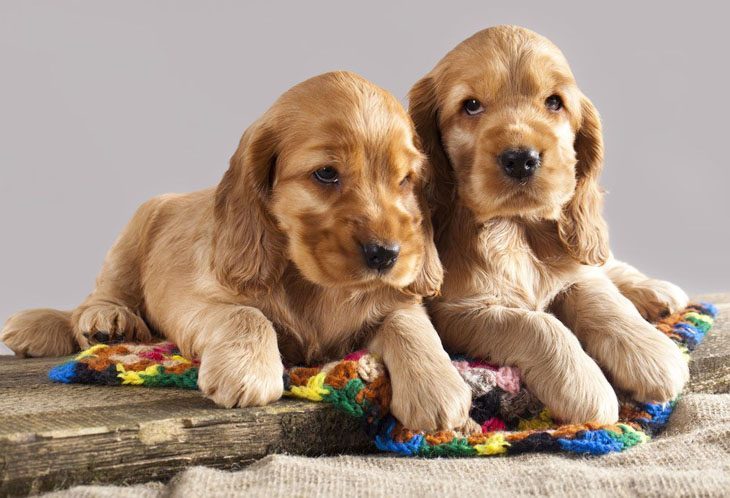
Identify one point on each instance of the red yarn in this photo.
(356, 355)
(493, 424)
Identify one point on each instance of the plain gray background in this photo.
(105, 104)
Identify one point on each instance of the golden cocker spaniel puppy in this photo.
(314, 244)
(517, 150)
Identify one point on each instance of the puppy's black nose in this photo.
(519, 163)
(380, 257)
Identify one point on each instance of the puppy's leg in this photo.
(653, 298)
(639, 358)
(113, 311)
(428, 392)
(240, 363)
(552, 362)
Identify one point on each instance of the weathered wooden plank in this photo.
(53, 436)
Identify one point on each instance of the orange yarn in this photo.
(300, 376)
(343, 373)
(440, 437)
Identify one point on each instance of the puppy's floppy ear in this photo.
(581, 227)
(429, 279)
(246, 243)
(423, 108)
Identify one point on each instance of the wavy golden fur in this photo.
(529, 277)
(270, 265)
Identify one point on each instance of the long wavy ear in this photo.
(246, 243)
(440, 189)
(581, 227)
(429, 280)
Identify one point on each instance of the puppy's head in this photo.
(329, 178)
(501, 117)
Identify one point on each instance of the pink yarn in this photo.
(165, 348)
(482, 364)
(508, 378)
(152, 355)
(461, 366)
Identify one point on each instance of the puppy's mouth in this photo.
(517, 196)
(520, 188)
(521, 182)
(351, 272)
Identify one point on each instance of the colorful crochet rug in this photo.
(512, 420)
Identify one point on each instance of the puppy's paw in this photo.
(437, 400)
(575, 390)
(657, 298)
(39, 333)
(233, 377)
(109, 323)
(649, 366)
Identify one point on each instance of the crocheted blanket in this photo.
(511, 420)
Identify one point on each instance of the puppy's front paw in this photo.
(574, 390)
(650, 366)
(657, 298)
(231, 377)
(435, 400)
(109, 323)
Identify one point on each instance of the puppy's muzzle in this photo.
(380, 257)
(519, 164)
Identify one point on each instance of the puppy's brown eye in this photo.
(328, 175)
(554, 103)
(406, 180)
(473, 107)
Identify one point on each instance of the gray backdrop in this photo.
(105, 104)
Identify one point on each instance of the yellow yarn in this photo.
(542, 421)
(131, 377)
(181, 359)
(91, 351)
(495, 445)
(314, 390)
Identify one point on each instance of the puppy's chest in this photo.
(525, 265)
(317, 325)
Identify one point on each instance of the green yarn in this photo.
(456, 447)
(187, 379)
(344, 399)
(629, 436)
(699, 321)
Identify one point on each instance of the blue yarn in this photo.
(691, 334)
(64, 373)
(385, 442)
(659, 414)
(709, 309)
(596, 442)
